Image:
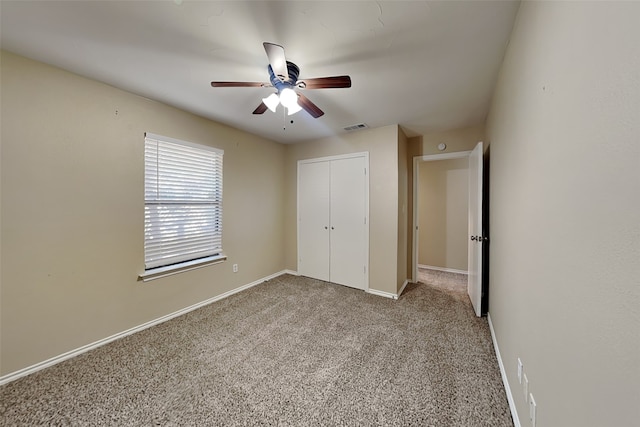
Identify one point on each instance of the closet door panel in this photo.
(313, 220)
(348, 227)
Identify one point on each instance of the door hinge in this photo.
(365, 171)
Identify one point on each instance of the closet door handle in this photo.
(332, 228)
(326, 228)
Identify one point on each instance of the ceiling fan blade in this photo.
(278, 61)
(239, 84)
(261, 109)
(325, 82)
(309, 106)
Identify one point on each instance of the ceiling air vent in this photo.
(356, 127)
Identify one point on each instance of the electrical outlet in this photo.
(519, 370)
(235, 268)
(532, 410)
(525, 386)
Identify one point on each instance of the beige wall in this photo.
(382, 145)
(463, 139)
(72, 211)
(443, 213)
(404, 271)
(565, 209)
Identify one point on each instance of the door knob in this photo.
(473, 238)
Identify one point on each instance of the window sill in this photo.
(156, 273)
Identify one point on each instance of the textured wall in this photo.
(565, 209)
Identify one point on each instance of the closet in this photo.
(333, 223)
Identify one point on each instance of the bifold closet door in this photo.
(332, 222)
(348, 222)
(313, 220)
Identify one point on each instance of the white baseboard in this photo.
(446, 270)
(389, 294)
(73, 353)
(382, 294)
(404, 285)
(503, 373)
(293, 273)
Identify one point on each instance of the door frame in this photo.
(416, 161)
(364, 154)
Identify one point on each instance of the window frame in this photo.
(160, 197)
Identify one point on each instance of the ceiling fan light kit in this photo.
(283, 76)
(271, 102)
(289, 98)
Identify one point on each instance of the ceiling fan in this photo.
(283, 76)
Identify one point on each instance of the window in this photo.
(182, 205)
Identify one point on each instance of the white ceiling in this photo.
(426, 65)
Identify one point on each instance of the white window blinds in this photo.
(183, 201)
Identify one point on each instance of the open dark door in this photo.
(485, 232)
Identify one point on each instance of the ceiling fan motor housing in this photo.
(280, 84)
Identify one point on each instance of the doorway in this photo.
(443, 217)
(418, 189)
(468, 235)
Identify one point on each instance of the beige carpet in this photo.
(455, 284)
(291, 352)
